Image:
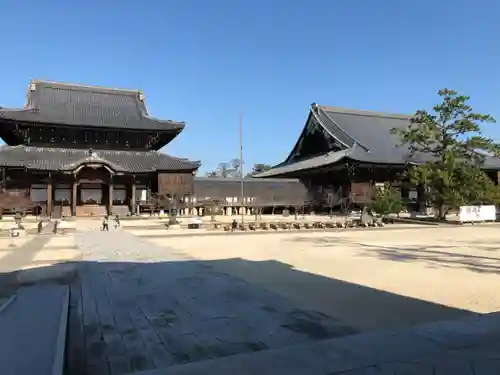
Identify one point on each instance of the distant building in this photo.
(78, 150)
(342, 153)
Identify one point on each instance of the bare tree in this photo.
(231, 169)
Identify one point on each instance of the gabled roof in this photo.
(370, 130)
(55, 159)
(69, 104)
(366, 136)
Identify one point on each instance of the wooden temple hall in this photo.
(77, 150)
(342, 154)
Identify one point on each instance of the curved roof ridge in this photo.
(355, 141)
(95, 88)
(308, 163)
(26, 108)
(194, 162)
(315, 114)
(53, 158)
(91, 159)
(156, 119)
(362, 112)
(329, 129)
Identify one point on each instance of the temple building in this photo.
(342, 153)
(76, 150)
(88, 150)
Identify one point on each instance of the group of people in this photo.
(105, 223)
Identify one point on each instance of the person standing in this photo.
(234, 225)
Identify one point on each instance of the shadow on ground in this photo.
(433, 256)
(127, 317)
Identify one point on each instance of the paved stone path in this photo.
(32, 337)
(139, 306)
(468, 346)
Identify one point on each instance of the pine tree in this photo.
(387, 200)
(451, 141)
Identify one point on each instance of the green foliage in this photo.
(451, 142)
(259, 168)
(387, 200)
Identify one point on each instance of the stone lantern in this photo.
(213, 208)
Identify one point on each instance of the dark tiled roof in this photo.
(53, 159)
(314, 162)
(332, 128)
(367, 138)
(67, 104)
(371, 131)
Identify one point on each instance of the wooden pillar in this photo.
(49, 196)
(4, 179)
(110, 201)
(421, 203)
(73, 196)
(133, 198)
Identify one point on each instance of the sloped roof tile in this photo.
(367, 137)
(53, 159)
(68, 104)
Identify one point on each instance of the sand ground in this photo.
(370, 279)
(348, 274)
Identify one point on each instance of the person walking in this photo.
(105, 224)
(117, 221)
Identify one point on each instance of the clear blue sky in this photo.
(204, 61)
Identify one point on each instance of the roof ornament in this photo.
(141, 96)
(32, 86)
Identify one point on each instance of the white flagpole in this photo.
(242, 195)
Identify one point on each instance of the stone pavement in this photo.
(138, 306)
(469, 346)
(33, 331)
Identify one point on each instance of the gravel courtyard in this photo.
(145, 301)
(364, 277)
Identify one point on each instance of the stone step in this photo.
(121, 210)
(470, 339)
(91, 211)
(33, 331)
